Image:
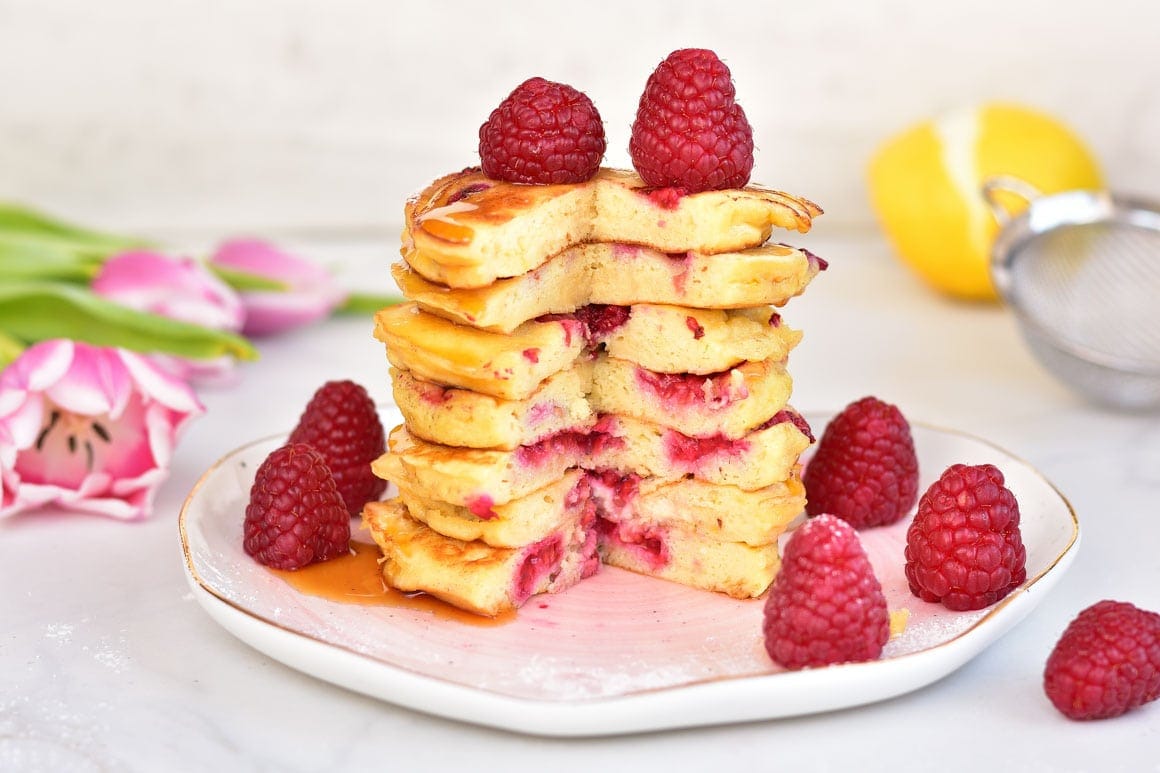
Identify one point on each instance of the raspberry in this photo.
(689, 133)
(1106, 663)
(295, 516)
(543, 133)
(865, 469)
(826, 605)
(963, 547)
(341, 422)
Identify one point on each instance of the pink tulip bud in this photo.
(309, 292)
(88, 429)
(178, 288)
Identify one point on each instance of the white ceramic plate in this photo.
(619, 653)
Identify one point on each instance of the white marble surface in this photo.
(107, 664)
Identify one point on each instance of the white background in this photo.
(311, 115)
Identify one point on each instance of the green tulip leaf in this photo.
(27, 258)
(37, 311)
(18, 219)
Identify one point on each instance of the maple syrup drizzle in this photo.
(357, 579)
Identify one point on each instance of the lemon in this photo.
(925, 186)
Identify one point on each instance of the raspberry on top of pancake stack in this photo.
(589, 366)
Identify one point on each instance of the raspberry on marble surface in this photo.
(1106, 663)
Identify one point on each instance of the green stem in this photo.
(245, 282)
(367, 303)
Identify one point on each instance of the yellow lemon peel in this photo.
(925, 186)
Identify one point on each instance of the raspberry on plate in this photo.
(964, 548)
(1106, 663)
(543, 133)
(295, 516)
(341, 423)
(688, 132)
(865, 470)
(826, 606)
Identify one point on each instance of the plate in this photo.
(619, 653)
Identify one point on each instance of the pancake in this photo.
(473, 575)
(686, 531)
(460, 417)
(622, 275)
(730, 403)
(465, 230)
(766, 455)
(676, 339)
(478, 479)
(510, 525)
(666, 339)
(511, 367)
(713, 511)
(733, 568)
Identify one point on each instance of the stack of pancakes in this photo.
(590, 372)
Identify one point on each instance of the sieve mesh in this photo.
(1094, 289)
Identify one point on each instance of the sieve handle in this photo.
(1007, 184)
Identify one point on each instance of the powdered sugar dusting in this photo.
(565, 681)
(46, 733)
(928, 627)
(60, 633)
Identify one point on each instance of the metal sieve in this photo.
(1081, 271)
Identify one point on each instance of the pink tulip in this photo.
(309, 292)
(178, 288)
(86, 428)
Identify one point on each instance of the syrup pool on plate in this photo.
(356, 579)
